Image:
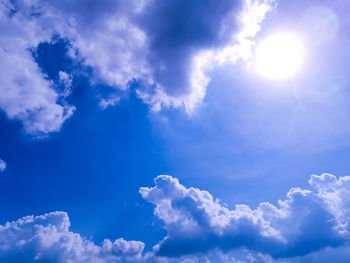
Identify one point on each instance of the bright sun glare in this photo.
(279, 56)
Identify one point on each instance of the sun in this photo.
(280, 56)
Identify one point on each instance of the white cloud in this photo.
(47, 238)
(66, 81)
(307, 221)
(103, 36)
(26, 93)
(122, 42)
(2, 165)
(309, 226)
(109, 102)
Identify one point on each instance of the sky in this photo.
(187, 131)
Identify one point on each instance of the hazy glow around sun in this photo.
(279, 56)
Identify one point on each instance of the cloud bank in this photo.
(305, 222)
(308, 226)
(167, 47)
(47, 238)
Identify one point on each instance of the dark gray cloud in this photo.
(179, 30)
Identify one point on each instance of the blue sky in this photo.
(141, 131)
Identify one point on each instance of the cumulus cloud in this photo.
(168, 47)
(2, 165)
(27, 95)
(163, 45)
(306, 221)
(103, 36)
(308, 226)
(205, 35)
(47, 238)
(102, 39)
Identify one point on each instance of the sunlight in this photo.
(279, 56)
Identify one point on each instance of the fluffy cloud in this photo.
(103, 36)
(47, 238)
(308, 226)
(2, 165)
(307, 221)
(26, 93)
(205, 35)
(168, 47)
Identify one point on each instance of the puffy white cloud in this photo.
(47, 238)
(168, 47)
(101, 39)
(164, 46)
(104, 38)
(307, 221)
(308, 226)
(2, 165)
(26, 93)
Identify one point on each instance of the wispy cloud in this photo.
(2, 165)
